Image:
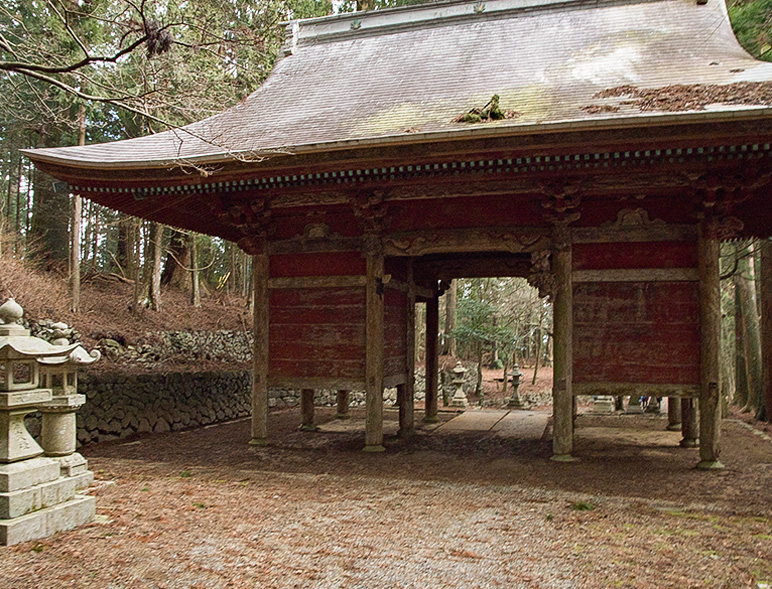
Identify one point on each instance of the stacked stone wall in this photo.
(119, 405)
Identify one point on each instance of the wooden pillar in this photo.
(432, 359)
(766, 326)
(710, 326)
(562, 393)
(689, 424)
(307, 411)
(374, 351)
(342, 405)
(406, 394)
(673, 413)
(260, 368)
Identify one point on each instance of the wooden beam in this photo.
(562, 310)
(317, 282)
(260, 351)
(374, 334)
(432, 359)
(634, 234)
(481, 239)
(635, 389)
(329, 383)
(637, 275)
(475, 265)
(407, 398)
(326, 245)
(710, 326)
(393, 380)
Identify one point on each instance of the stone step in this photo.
(45, 522)
(17, 503)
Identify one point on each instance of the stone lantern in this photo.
(515, 401)
(59, 423)
(35, 500)
(459, 396)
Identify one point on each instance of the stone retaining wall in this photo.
(119, 405)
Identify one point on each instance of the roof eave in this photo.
(478, 131)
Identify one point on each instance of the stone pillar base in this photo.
(375, 449)
(709, 465)
(603, 404)
(562, 458)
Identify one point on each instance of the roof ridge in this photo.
(344, 26)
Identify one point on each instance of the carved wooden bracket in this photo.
(716, 193)
(560, 201)
(541, 276)
(371, 210)
(251, 218)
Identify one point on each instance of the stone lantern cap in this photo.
(77, 357)
(17, 343)
(459, 370)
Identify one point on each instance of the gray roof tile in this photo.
(403, 72)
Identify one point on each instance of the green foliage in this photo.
(582, 506)
(752, 23)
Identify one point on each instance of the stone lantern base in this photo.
(36, 501)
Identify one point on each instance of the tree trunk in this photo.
(124, 247)
(451, 305)
(175, 272)
(153, 260)
(195, 295)
(478, 386)
(76, 225)
(50, 223)
(751, 345)
(134, 268)
(741, 369)
(538, 354)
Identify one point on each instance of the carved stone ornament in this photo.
(541, 276)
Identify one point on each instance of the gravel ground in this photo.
(203, 509)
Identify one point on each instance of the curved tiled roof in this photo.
(405, 74)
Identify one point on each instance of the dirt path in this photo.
(462, 509)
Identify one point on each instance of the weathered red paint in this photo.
(635, 255)
(636, 332)
(317, 264)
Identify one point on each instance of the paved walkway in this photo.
(521, 425)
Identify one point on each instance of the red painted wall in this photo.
(636, 332)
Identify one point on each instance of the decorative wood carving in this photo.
(372, 211)
(507, 239)
(716, 193)
(560, 201)
(541, 276)
(252, 219)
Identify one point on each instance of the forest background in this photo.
(91, 71)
